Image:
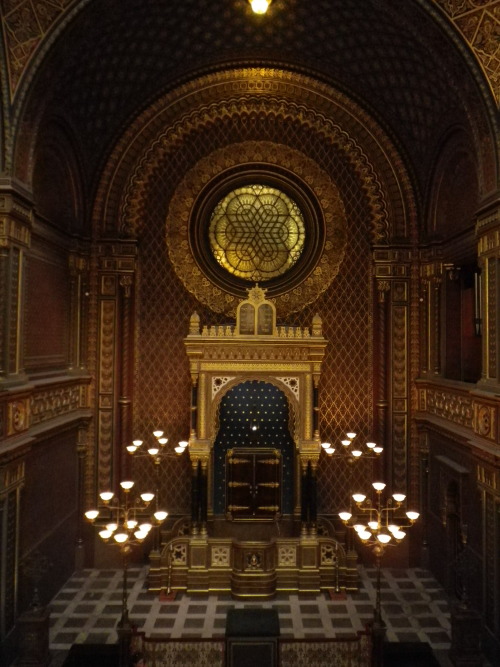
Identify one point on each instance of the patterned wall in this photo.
(162, 382)
(46, 313)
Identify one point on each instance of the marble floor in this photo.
(88, 607)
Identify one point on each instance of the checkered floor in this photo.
(87, 608)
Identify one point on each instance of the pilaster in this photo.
(116, 292)
(488, 240)
(16, 218)
(392, 273)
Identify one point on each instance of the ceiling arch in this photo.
(112, 59)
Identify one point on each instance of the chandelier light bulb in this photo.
(111, 527)
(126, 485)
(325, 445)
(147, 497)
(364, 535)
(179, 449)
(140, 534)
(413, 516)
(359, 528)
(351, 435)
(153, 451)
(393, 528)
(378, 450)
(356, 453)
(399, 497)
(92, 514)
(330, 450)
(373, 525)
(371, 445)
(137, 443)
(131, 524)
(106, 496)
(358, 497)
(260, 6)
(157, 434)
(345, 516)
(120, 537)
(105, 534)
(145, 527)
(383, 538)
(399, 534)
(183, 444)
(160, 515)
(163, 441)
(378, 486)
(131, 448)
(346, 443)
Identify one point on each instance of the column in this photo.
(15, 239)
(116, 273)
(488, 234)
(79, 272)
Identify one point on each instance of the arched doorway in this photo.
(253, 453)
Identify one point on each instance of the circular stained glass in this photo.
(256, 232)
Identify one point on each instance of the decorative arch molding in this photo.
(454, 198)
(319, 272)
(271, 96)
(276, 380)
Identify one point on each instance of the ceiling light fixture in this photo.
(260, 6)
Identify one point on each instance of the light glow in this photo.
(345, 516)
(378, 486)
(260, 6)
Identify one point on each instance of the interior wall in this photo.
(162, 384)
(48, 521)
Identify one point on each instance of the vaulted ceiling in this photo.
(419, 67)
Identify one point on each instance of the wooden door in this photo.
(253, 490)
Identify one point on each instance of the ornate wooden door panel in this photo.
(253, 484)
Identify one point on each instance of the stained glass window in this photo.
(257, 232)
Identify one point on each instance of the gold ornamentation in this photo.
(484, 421)
(18, 416)
(179, 218)
(221, 556)
(51, 403)
(256, 232)
(287, 556)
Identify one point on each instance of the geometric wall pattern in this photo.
(162, 368)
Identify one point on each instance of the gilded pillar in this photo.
(488, 235)
(117, 261)
(392, 273)
(430, 300)
(15, 239)
(383, 289)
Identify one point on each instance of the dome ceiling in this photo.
(99, 64)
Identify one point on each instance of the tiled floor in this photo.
(86, 610)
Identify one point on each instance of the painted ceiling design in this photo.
(27, 23)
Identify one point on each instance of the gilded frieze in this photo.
(50, 403)
(453, 407)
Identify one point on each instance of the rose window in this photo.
(257, 232)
